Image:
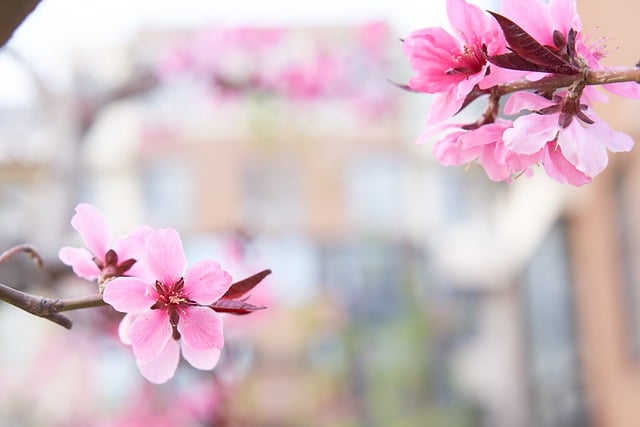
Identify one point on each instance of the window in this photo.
(553, 364)
(628, 210)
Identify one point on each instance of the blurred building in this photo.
(295, 140)
(407, 293)
(560, 341)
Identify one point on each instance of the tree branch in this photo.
(556, 81)
(47, 308)
(39, 306)
(12, 13)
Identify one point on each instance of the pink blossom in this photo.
(167, 311)
(105, 258)
(451, 65)
(484, 144)
(582, 144)
(540, 19)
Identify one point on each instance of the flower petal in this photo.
(470, 20)
(532, 16)
(585, 146)
(525, 101)
(129, 294)
(626, 89)
(564, 16)
(149, 334)
(165, 256)
(124, 329)
(450, 151)
(560, 169)
(200, 359)
(161, 368)
(429, 53)
(531, 132)
(206, 282)
(444, 106)
(93, 228)
(81, 261)
(132, 246)
(201, 328)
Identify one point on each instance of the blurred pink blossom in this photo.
(373, 38)
(166, 308)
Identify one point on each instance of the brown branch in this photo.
(557, 81)
(44, 307)
(39, 306)
(12, 13)
(49, 308)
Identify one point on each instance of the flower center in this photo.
(172, 299)
(468, 61)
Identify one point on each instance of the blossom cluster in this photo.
(553, 126)
(169, 309)
(283, 63)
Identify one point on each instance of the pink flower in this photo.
(540, 19)
(450, 66)
(584, 145)
(167, 311)
(484, 144)
(105, 258)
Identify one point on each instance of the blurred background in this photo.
(403, 293)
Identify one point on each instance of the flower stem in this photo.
(78, 303)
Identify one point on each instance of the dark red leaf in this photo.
(513, 61)
(234, 307)
(240, 288)
(531, 50)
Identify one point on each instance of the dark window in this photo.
(551, 341)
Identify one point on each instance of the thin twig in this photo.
(29, 250)
(69, 304)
